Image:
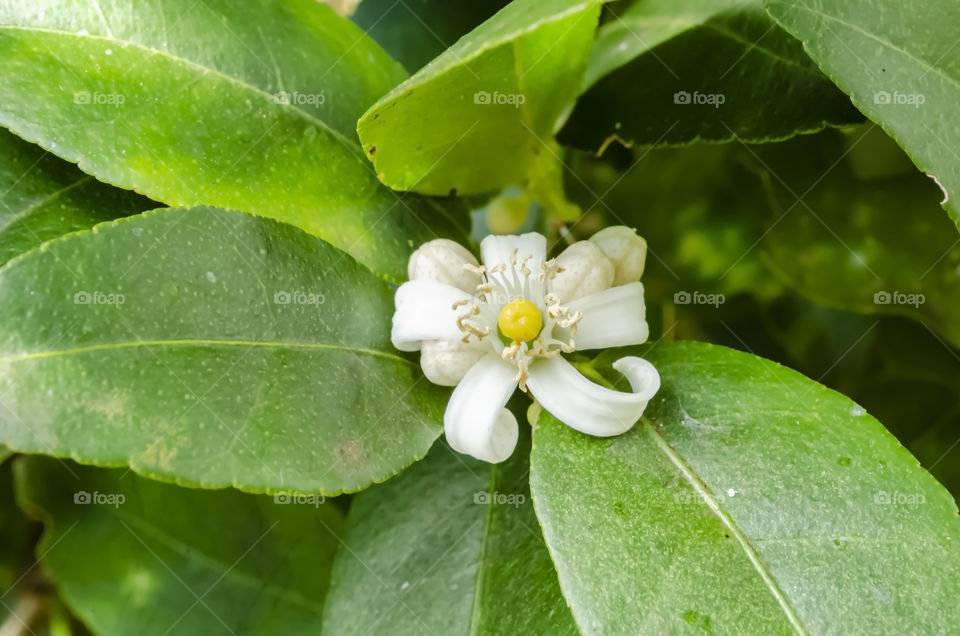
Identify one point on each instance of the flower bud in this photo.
(442, 261)
(584, 270)
(625, 249)
(446, 362)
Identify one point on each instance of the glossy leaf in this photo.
(859, 241)
(250, 107)
(131, 555)
(211, 348)
(669, 71)
(42, 197)
(482, 115)
(416, 32)
(748, 499)
(449, 547)
(900, 65)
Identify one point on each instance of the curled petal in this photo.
(626, 249)
(588, 407)
(442, 261)
(584, 270)
(615, 317)
(445, 362)
(424, 311)
(476, 422)
(497, 250)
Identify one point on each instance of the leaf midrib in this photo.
(475, 609)
(350, 143)
(704, 492)
(202, 342)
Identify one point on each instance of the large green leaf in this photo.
(669, 71)
(42, 197)
(483, 114)
(449, 547)
(212, 348)
(134, 556)
(748, 499)
(863, 242)
(248, 106)
(416, 32)
(900, 65)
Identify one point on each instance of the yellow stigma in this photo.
(520, 320)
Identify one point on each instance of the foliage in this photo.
(206, 209)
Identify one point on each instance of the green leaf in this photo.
(425, 554)
(899, 64)
(416, 32)
(483, 114)
(133, 556)
(748, 499)
(42, 198)
(211, 348)
(186, 102)
(859, 241)
(674, 71)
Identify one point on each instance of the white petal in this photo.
(442, 261)
(584, 270)
(495, 250)
(626, 249)
(588, 407)
(445, 362)
(615, 317)
(424, 311)
(476, 422)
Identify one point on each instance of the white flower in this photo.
(488, 329)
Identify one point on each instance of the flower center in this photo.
(520, 320)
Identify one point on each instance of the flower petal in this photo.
(588, 407)
(424, 311)
(445, 362)
(442, 261)
(476, 422)
(625, 249)
(615, 317)
(495, 250)
(584, 270)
